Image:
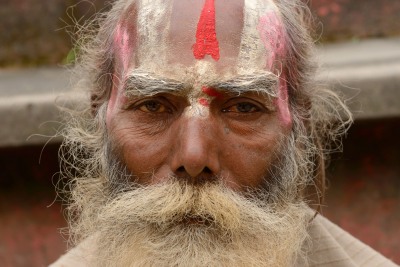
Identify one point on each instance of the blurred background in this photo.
(359, 51)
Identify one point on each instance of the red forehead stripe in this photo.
(206, 37)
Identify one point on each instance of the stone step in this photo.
(367, 73)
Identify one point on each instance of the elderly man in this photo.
(203, 140)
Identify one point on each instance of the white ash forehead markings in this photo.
(198, 105)
(252, 49)
(153, 28)
(205, 71)
(197, 110)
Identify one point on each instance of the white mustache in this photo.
(173, 202)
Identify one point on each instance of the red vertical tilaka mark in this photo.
(204, 102)
(206, 37)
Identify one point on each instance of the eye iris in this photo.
(245, 107)
(152, 106)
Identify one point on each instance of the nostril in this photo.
(207, 170)
(206, 175)
(181, 169)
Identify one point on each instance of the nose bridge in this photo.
(194, 139)
(195, 152)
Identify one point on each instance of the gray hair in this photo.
(320, 118)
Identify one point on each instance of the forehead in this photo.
(207, 37)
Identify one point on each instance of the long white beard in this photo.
(177, 224)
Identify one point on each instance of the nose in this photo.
(195, 153)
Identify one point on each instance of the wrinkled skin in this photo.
(197, 132)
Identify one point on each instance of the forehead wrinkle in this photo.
(266, 84)
(147, 84)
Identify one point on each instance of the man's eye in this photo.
(152, 106)
(243, 107)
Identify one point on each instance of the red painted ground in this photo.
(364, 196)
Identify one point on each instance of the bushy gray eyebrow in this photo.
(146, 84)
(265, 83)
(139, 83)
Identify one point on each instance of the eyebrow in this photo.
(264, 83)
(141, 83)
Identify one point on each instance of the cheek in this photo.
(248, 159)
(142, 154)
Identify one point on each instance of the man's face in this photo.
(198, 117)
(198, 92)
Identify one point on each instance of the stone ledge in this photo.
(366, 73)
